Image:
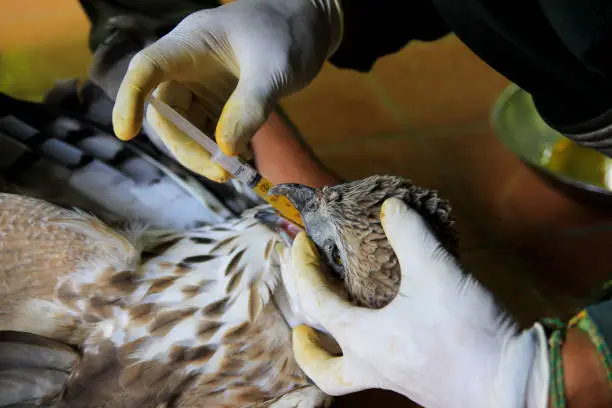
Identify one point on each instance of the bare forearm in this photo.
(586, 384)
(281, 157)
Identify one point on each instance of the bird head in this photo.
(344, 222)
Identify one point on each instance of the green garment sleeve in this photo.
(373, 29)
(166, 13)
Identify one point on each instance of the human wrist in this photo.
(585, 380)
(282, 157)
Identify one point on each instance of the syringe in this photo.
(233, 165)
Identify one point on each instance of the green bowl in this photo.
(520, 128)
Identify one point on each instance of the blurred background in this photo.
(423, 113)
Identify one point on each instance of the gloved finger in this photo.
(243, 115)
(327, 371)
(147, 70)
(415, 246)
(318, 301)
(189, 153)
(175, 95)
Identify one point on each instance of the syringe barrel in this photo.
(237, 169)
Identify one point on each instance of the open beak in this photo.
(302, 197)
(284, 227)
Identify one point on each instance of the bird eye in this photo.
(335, 195)
(336, 256)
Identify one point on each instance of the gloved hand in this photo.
(441, 342)
(225, 69)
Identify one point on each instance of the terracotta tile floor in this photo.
(441, 84)
(421, 113)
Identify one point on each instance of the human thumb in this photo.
(243, 115)
(327, 371)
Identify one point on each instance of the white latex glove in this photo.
(225, 69)
(441, 342)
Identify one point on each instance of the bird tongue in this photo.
(289, 229)
(286, 228)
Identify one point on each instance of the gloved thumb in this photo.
(243, 115)
(316, 297)
(327, 371)
(415, 246)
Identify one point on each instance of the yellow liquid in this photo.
(280, 203)
(579, 163)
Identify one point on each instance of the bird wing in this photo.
(33, 369)
(191, 316)
(199, 325)
(72, 163)
(48, 256)
(35, 252)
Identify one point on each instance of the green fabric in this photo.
(168, 12)
(554, 49)
(586, 32)
(555, 342)
(557, 50)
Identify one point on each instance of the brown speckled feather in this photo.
(344, 222)
(35, 252)
(192, 318)
(184, 319)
